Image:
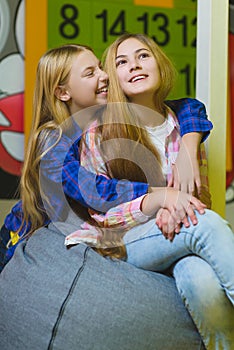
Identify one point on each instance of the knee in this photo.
(195, 279)
(211, 218)
(212, 224)
(204, 296)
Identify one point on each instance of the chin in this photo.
(102, 101)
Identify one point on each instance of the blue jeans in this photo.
(208, 301)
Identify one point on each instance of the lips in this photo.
(137, 78)
(101, 90)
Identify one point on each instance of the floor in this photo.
(5, 206)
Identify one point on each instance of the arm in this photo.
(191, 164)
(125, 215)
(192, 116)
(177, 204)
(61, 173)
(130, 212)
(133, 213)
(165, 221)
(189, 173)
(194, 128)
(185, 171)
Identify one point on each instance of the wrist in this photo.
(153, 201)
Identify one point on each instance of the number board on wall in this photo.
(171, 23)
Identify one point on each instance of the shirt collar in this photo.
(172, 119)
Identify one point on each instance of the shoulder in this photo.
(91, 135)
(57, 145)
(187, 105)
(185, 102)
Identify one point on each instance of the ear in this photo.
(62, 94)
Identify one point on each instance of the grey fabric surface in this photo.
(73, 299)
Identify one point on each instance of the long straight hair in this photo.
(49, 112)
(120, 121)
(123, 141)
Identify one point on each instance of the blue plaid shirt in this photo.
(62, 176)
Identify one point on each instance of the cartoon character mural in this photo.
(11, 95)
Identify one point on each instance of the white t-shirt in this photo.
(158, 135)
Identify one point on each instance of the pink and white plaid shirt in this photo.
(126, 215)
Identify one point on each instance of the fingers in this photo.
(185, 221)
(198, 205)
(191, 214)
(167, 224)
(158, 219)
(178, 208)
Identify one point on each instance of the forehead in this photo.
(84, 60)
(130, 45)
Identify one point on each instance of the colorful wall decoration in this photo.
(172, 23)
(11, 95)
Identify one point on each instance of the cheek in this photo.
(156, 76)
(121, 79)
(158, 81)
(156, 72)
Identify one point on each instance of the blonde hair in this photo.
(120, 122)
(49, 112)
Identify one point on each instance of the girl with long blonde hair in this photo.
(137, 69)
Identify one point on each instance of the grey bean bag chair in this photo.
(52, 297)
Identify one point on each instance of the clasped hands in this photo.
(185, 194)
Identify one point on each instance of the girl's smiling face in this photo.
(137, 70)
(87, 85)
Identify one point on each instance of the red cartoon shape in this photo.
(12, 111)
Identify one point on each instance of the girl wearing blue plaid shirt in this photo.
(136, 68)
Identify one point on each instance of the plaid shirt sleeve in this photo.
(192, 116)
(96, 191)
(61, 176)
(123, 216)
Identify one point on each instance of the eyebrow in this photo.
(92, 67)
(137, 51)
(89, 67)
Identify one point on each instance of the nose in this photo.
(103, 76)
(134, 65)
